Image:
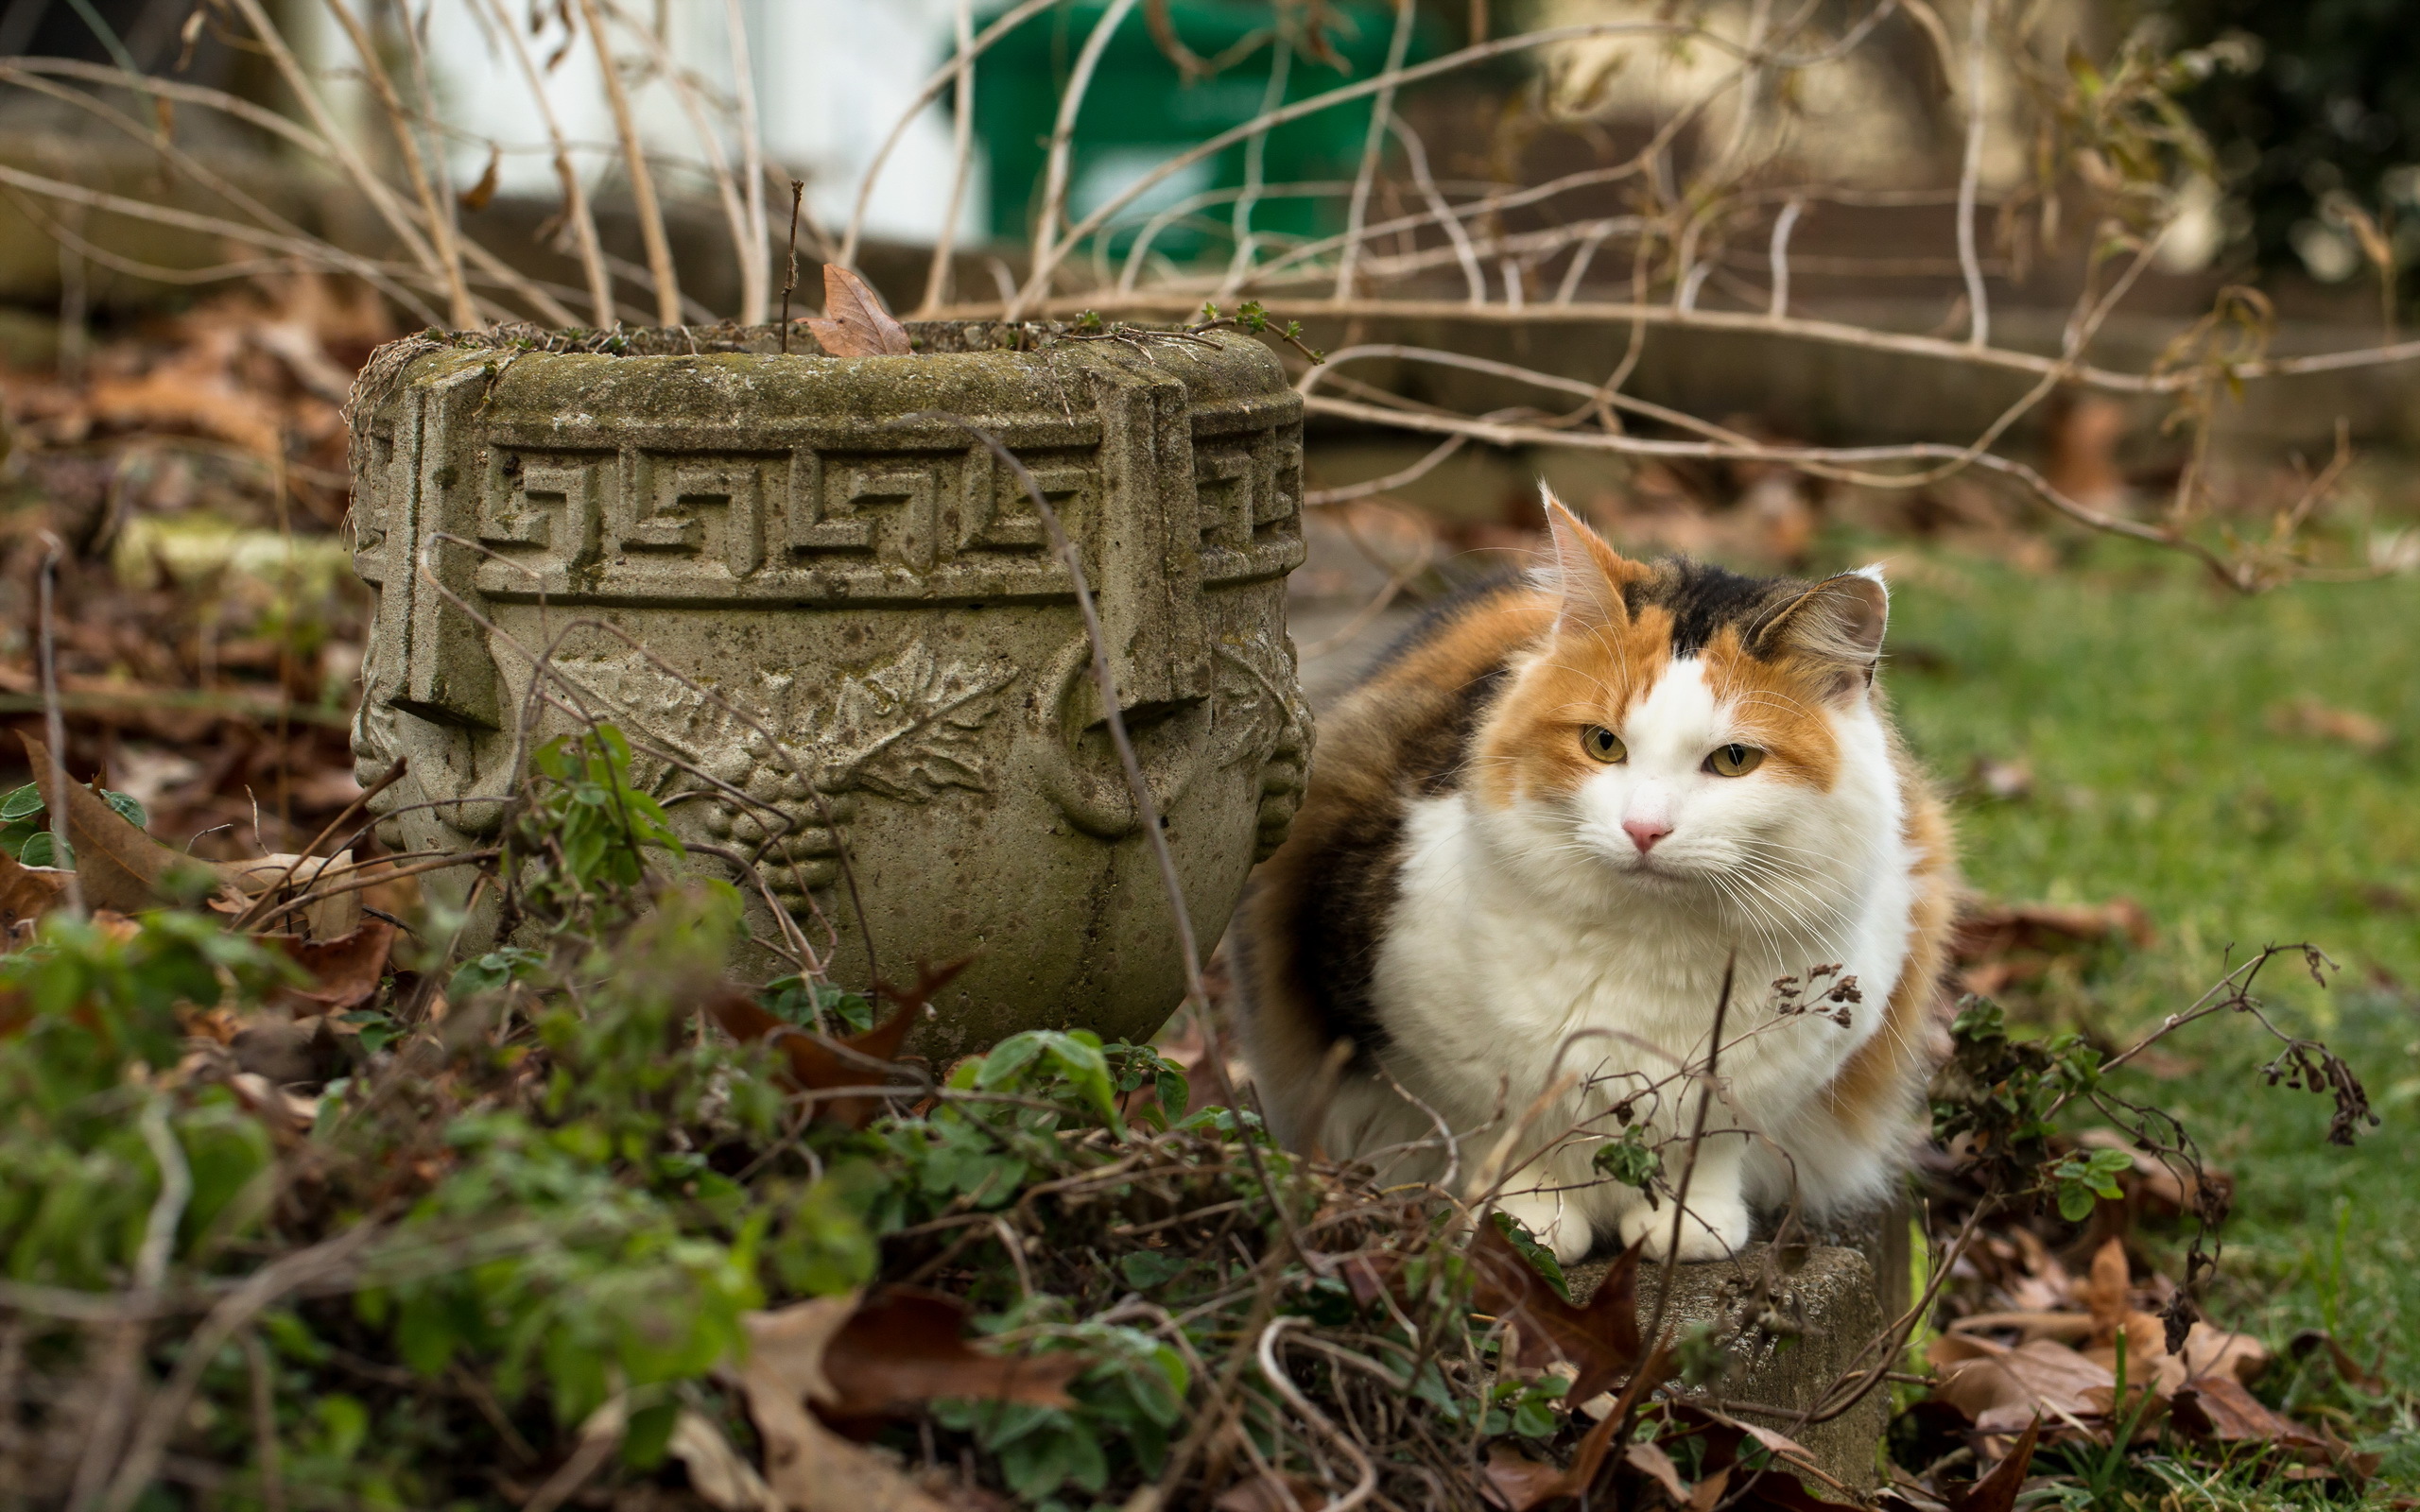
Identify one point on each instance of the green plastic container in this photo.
(1141, 110)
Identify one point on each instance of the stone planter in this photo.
(855, 618)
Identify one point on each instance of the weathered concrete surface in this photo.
(1787, 1347)
(830, 620)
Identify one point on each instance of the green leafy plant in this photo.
(24, 826)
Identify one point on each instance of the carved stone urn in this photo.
(832, 625)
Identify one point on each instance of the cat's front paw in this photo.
(1557, 1225)
(1711, 1230)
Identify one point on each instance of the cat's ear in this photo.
(1839, 620)
(1588, 576)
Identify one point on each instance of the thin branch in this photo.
(1046, 247)
(755, 267)
(1374, 142)
(1979, 306)
(448, 258)
(577, 215)
(650, 215)
(937, 276)
(735, 211)
(939, 81)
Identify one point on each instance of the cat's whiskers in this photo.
(1816, 917)
(1751, 913)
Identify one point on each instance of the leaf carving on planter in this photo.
(909, 728)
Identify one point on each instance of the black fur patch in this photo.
(1703, 599)
(1339, 926)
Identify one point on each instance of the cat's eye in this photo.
(1733, 761)
(1603, 744)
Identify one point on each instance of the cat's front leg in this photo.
(1557, 1223)
(1716, 1224)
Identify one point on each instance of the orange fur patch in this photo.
(1885, 1077)
(1779, 706)
(1583, 674)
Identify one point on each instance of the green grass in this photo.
(2142, 698)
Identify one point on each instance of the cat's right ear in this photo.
(1586, 574)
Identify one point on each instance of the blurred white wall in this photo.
(831, 78)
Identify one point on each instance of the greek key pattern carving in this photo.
(848, 516)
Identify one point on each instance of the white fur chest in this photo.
(1500, 972)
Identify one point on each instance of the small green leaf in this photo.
(1146, 1269)
(1541, 1258)
(1631, 1160)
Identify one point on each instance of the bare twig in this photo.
(1977, 303)
(1047, 249)
(438, 216)
(55, 727)
(756, 273)
(577, 215)
(937, 276)
(651, 216)
(789, 280)
(1374, 141)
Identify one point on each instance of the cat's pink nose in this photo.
(1645, 832)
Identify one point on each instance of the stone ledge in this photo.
(1789, 1348)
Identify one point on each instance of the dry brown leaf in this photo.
(903, 1347)
(853, 323)
(1652, 1461)
(1978, 1376)
(1997, 1492)
(26, 893)
(2107, 1291)
(344, 972)
(268, 883)
(2347, 1368)
(2210, 1351)
(2350, 727)
(1997, 945)
(818, 1066)
(810, 1468)
(2219, 1407)
(481, 193)
(1599, 1342)
(716, 1471)
(788, 1342)
(1518, 1481)
(2029, 1325)
(117, 866)
(1708, 1495)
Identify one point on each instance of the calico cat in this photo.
(1539, 835)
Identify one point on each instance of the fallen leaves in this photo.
(2314, 720)
(2092, 1362)
(819, 1064)
(807, 1466)
(1998, 946)
(344, 972)
(1599, 1342)
(1738, 1468)
(26, 893)
(856, 1358)
(853, 323)
(903, 1347)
